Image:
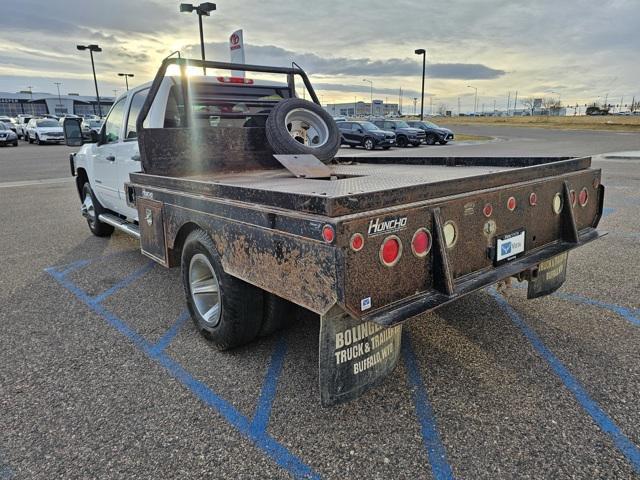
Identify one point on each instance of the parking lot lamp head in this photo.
(423, 52)
(93, 48)
(126, 78)
(202, 9)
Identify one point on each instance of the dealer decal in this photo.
(387, 225)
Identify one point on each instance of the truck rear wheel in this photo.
(91, 209)
(226, 310)
(278, 314)
(297, 126)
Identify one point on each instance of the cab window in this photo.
(134, 110)
(113, 123)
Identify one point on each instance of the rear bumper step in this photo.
(122, 225)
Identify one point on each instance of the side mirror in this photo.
(72, 132)
(94, 136)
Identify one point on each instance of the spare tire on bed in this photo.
(297, 126)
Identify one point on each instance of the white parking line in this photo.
(30, 183)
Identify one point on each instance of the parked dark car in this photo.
(405, 135)
(434, 133)
(7, 136)
(365, 134)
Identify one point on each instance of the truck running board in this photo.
(117, 222)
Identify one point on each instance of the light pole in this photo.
(423, 52)
(202, 9)
(475, 102)
(126, 78)
(93, 48)
(57, 84)
(371, 93)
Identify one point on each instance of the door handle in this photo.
(111, 158)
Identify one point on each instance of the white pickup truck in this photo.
(102, 168)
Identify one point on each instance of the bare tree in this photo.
(529, 103)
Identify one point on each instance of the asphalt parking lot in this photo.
(103, 376)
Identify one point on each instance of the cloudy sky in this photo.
(576, 49)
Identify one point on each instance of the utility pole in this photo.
(203, 9)
(30, 92)
(494, 106)
(515, 103)
(475, 102)
(423, 52)
(370, 93)
(458, 106)
(431, 105)
(508, 102)
(93, 48)
(57, 84)
(415, 101)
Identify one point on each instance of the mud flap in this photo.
(354, 355)
(551, 274)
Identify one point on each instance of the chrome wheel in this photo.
(368, 144)
(307, 127)
(204, 289)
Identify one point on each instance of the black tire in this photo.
(442, 142)
(352, 146)
(278, 314)
(282, 142)
(241, 304)
(98, 228)
(416, 144)
(29, 139)
(386, 148)
(368, 144)
(15, 144)
(431, 139)
(402, 142)
(38, 142)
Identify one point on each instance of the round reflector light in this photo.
(487, 210)
(557, 203)
(584, 197)
(450, 234)
(533, 199)
(328, 233)
(574, 198)
(390, 251)
(421, 242)
(511, 204)
(357, 242)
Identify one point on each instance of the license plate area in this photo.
(509, 246)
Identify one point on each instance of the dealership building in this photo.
(362, 109)
(36, 103)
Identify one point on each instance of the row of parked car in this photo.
(45, 129)
(388, 133)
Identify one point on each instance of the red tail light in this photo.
(328, 233)
(511, 204)
(390, 251)
(244, 81)
(421, 242)
(357, 242)
(584, 197)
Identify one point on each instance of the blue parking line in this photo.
(440, 467)
(74, 266)
(170, 334)
(606, 211)
(129, 279)
(269, 387)
(606, 424)
(267, 444)
(631, 315)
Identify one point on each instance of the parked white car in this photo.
(21, 125)
(44, 130)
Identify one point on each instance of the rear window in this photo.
(224, 105)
